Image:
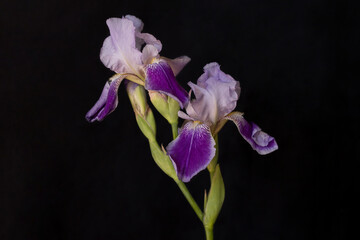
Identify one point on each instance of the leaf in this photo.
(215, 199)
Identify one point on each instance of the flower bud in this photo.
(167, 106)
(144, 116)
(137, 96)
(162, 160)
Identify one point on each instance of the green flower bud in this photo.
(147, 124)
(167, 106)
(144, 115)
(162, 160)
(137, 96)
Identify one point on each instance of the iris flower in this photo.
(216, 95)
(122, 52)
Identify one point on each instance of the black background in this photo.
(63, 178)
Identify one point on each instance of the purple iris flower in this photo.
(122, 52)
(216, 95)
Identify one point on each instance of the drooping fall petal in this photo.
(160, 77)
(192, 150)
(258, 140)
(107, 102)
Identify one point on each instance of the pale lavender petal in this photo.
(119, 52)
(177, 64)
(139, 25)
(203, 108)
(150, 39)
(183, 115)
(149, 53)
(159, 77)
(192, 150)
(107, 102)
(259, 140)
(142, 38)
(216, 95)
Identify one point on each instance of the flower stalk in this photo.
(135, 59)
(209, 233)
(190, 199)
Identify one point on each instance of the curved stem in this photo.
(190, 199)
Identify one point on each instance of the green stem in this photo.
(190, 199)
(209, 233)
(211, 167)
(174, 128)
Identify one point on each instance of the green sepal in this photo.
(137, 96)
(147, 124)
(215, 199)
(162, 160)
(167, 106)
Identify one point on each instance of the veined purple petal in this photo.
(119, 52)
(160, 77)
(107, 102)
(192, 150)
(216, 95)
(259, 140)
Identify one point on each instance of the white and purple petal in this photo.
(107, 102)
(258, 140)
(192, 150)
(119, 52)
(160, 77)
(216, 95)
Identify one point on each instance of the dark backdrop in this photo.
(63, 178)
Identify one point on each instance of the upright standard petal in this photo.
(107, 102)
(139, 25)
(192, 150)
(160, 77)
(259, 140)
(216, 95)
(177, 64)
(149, 52)
(142, 38)
(119, 52)
(149, 39)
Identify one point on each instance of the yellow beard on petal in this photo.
(154, 60)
